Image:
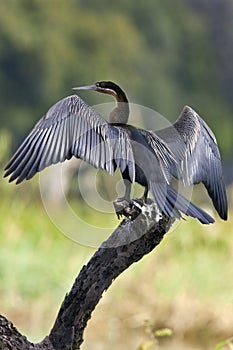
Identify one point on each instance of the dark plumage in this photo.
(187, 150)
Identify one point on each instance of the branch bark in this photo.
(137, 235)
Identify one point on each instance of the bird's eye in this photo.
(98, 84)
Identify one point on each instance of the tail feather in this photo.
(171, 203)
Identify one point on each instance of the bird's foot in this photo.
(130, 208)
(126, 207)
(120, 205)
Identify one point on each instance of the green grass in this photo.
(186, 284)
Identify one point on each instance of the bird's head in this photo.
(120, 114)
(106, 87)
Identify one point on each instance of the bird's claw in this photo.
(120, 205)
(128, 208)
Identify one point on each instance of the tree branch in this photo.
(137, 235)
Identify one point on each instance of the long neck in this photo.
(120, 114)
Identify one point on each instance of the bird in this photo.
(186, 150)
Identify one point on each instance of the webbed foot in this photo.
(120, 205)
(128, 208)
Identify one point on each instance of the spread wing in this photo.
(195, 148)
(158, 171)
(164, 157)
(72, 128)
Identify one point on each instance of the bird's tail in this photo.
(171, 203)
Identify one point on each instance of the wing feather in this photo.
(163, 154)
(197, 155)
(71, 128)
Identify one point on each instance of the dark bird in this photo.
(187, 150)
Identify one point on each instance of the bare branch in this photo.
(134, 238)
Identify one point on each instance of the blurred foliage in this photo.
(224, 343)
(165, 54)
(154, 335)
(185, 285)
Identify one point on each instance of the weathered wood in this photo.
(11, 339)
(137, 235)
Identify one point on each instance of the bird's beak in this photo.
(87, 87)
